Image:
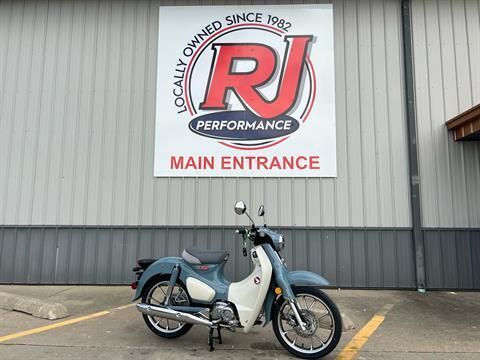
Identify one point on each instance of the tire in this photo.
(160, 326)
(316, 319)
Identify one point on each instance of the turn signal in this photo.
(134, 285)
(278, 291)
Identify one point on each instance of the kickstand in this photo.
(211, 337)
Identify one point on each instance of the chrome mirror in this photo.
(261, 210)
(240, 208)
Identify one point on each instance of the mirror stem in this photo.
(246, 213)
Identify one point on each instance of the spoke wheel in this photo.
(155, 294)
(322, 321)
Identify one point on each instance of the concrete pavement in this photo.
(435, 325)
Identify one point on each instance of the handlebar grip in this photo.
(241, 232)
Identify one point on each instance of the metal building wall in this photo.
(77, 129)
(77, 191)
(446, 36)
(447, 64)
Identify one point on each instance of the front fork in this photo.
(281, 277)
(294, 306)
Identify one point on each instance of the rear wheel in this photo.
(323, 324)
(154, 294)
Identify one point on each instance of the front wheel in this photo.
(322, 320)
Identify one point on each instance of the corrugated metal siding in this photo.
(453, 258)
(366, 258)
(77, 124)
(447, 78)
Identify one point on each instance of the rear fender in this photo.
(161, 266)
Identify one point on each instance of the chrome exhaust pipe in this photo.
(170, 314)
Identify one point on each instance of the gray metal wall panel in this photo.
(77, 111)
(35, 256)
(447, 82)
(475, 256)
(452, 258)
(63, 249)
(404, 258)
(348, 257)
(20, 265)
(49, 252)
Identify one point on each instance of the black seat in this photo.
(198, 257)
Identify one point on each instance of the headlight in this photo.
(281, 243)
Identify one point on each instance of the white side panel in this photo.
(248, 295)
(199, 290)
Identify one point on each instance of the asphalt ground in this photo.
(389, 325)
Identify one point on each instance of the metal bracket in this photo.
(173, 279)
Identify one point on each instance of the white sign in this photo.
(246, 91)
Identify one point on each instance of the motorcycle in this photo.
(179, 292)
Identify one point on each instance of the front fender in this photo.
(295, 278)
(306, 278)
(161, 266)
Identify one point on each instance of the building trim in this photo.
(466, 126)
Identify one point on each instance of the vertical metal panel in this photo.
(7, 256)
(345, 257)
(21, 250)
(449, 252)
(145, 244)
(359, 260)
(447, 54)
(404, 256)
(464, 259)
(373, 259)
(452, 258)
(475, 256)
(188, 239)
(315, 253)
(63, 244)
(77, 118)
(353, 116)
(335, 193)
(75, 256)
(103, 254)
(159, 242)
(389, 260)
(433, 260)
(89, 262)
(116, 259)
(330, 270)
(348, 257)
(35, 256)
(300, 249)
(129, 252)
(49, 255)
